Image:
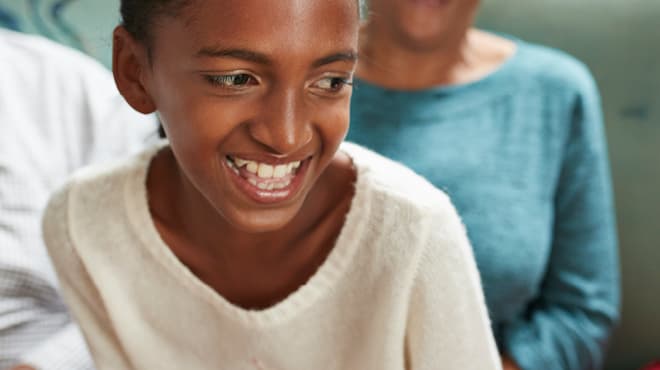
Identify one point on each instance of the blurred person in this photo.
(59, 110)
(513, 132)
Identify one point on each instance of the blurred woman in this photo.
(514, 133)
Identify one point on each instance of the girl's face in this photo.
(424, 24)
(254, 100)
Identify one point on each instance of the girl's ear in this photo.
(129, 62)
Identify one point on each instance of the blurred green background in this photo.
(619, 40)
(84, 24)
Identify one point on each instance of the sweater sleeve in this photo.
(567, 327)
(448, 325)
(84, 300)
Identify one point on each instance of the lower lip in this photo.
(269, 196)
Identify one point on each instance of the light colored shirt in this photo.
(59, 110)
(522, 154)
(400, 289)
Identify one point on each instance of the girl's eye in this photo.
(235, 81)
(333, 84)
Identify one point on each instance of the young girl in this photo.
(250, 240)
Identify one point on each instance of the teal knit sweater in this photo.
(522, 154)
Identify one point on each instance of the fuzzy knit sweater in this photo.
(400, 290)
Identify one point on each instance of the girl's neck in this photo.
(465, 57)
(252, 270)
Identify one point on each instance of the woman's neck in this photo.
(465, 58)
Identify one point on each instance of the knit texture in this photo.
(399, 287)
(522, 155)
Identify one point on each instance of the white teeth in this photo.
(252, 166)
(270, 186)
(265, 171)
(280, 170)
(281, 185)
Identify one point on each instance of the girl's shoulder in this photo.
(104, 178)
(97, 194)
(407, 218)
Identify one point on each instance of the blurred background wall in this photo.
(84, 24)
(619, 40)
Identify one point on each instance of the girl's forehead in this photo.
(263, 24)
(245, 14)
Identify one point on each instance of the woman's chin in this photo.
(424, 38)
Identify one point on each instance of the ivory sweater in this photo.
(400, 289)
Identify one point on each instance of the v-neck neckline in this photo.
(320, 283)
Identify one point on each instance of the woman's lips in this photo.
(267, 182)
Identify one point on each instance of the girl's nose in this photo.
(284, 124)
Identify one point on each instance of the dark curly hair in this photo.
(138, 16)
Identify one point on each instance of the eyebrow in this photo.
(259, 58)
(346, 56)
(248, 55)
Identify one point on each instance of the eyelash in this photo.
(341, 80)
(229, 81)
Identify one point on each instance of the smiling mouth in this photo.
(267, 182)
